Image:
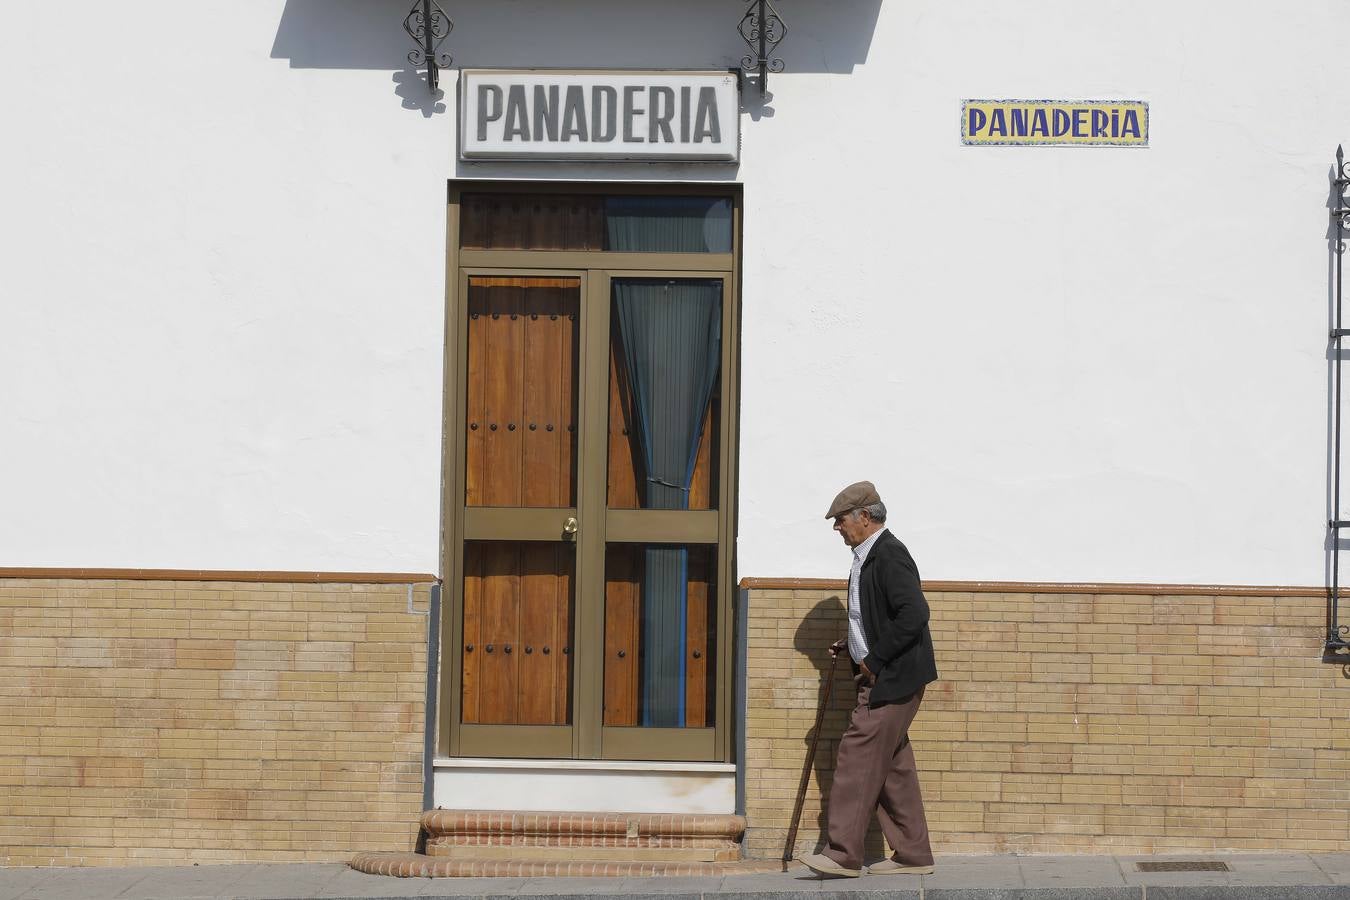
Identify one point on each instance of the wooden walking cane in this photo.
(806, 769)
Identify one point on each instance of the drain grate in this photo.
(1183, 865)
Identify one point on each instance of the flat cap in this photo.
(862, 493)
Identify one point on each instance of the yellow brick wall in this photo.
(172, 722)
(1077, 723)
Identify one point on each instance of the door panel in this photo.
(622, 640)
(660, 661)
(518, 602)
(520, 446)
(662, 523)
(701, 623)
(532, 222)
(520, 490)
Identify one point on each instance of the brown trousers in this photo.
(874, 770)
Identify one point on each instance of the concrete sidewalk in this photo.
(1288, 876)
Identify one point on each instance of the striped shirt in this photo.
(857, 641)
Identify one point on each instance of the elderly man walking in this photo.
(892, 655)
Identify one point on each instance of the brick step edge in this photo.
(587, 853)
(446, 822)
(415, 865)
(581, 841)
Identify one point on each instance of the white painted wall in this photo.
(221, 281)
(222, 303)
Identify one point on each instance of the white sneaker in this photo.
(891, 867)
(823, 865)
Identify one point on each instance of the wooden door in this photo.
(520, 494)
(589, 607)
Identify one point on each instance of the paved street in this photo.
(1291, 876)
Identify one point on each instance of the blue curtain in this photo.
(668, 224)
(671, 335)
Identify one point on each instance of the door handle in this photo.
(570, 525)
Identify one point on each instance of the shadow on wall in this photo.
(824, 624)
(693, 34)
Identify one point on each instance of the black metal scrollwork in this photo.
(1340, 182)
(429, 25)
(762, 29)
(1338, 635)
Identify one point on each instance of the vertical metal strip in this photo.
(428, 46)
(763, 46)
(1339, 183)
(742, 661)
(452, 503)
(592, 496)
(729, 710)
(683, 617)
(433, 674)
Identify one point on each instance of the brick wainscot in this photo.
(1076, 719)
(173, 721)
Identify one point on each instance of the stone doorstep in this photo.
(415, 865)
(527, 842)
(488, 843)
(728, 853)
(447, 822)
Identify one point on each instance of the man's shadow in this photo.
(826, 623)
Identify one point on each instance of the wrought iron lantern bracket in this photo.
(762, 29)
(1338, 635)
(429, 25)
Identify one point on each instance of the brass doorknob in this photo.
(570, 525)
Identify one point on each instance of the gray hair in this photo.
(876, 511)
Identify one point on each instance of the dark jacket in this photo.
(895, 621)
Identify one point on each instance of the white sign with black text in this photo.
(631, 115)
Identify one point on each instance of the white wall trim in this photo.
(594, 765)
(585, 786)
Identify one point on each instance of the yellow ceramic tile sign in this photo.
(1090, 123)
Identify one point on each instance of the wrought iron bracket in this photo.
(762, 29)
(1338, 635)
(429, 25)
